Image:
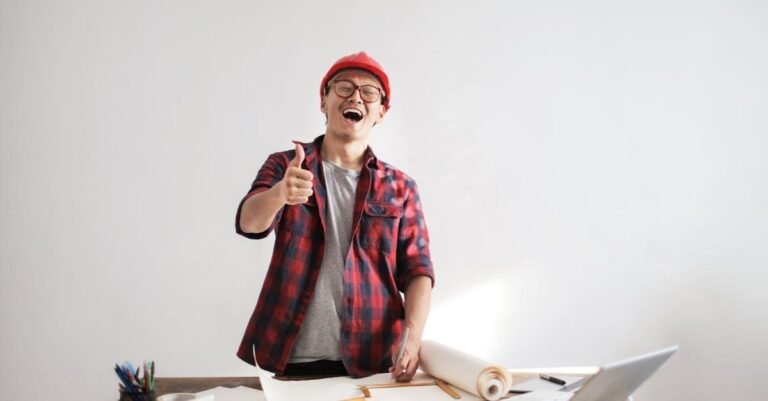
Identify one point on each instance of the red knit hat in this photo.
(364, 62)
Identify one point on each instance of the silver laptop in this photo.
(613, 382)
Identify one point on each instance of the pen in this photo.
(552, 379)
(402, 348)
(152, 376)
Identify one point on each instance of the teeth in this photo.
(354, 111)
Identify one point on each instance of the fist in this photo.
(296, 185)
(404, 369)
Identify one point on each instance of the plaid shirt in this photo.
(390, 245)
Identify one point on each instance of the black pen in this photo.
(552, 379)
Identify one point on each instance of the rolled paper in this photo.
(467, 372)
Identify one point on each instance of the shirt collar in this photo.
(313, 153)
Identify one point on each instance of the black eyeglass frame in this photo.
(382, 96)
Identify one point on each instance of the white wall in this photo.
(592, 175)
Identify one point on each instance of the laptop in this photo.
(613, 382)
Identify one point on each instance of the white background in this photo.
(593, 176)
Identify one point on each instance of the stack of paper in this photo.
(234, 394)
(347, 388)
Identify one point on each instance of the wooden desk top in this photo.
(166, 385)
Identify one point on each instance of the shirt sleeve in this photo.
(271, 172)
(413, 257)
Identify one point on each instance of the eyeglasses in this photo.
(345, 89)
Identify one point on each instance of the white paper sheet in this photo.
(536, 383)
(239, 393)
(544, 395)
(474, 378)
(343, 388)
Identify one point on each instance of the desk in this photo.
(166, 385)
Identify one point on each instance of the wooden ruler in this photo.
(443, 386)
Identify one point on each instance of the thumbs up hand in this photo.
(296, 185)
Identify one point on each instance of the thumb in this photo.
(299, 158)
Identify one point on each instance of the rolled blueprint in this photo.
(469, 373)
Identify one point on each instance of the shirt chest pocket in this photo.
(302, 219)
(379, 225)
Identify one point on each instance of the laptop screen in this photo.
(618, 380)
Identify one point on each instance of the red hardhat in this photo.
(364, 62)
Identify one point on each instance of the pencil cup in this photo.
(138, 396)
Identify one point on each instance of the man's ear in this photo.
(382, 111)
(323, 109)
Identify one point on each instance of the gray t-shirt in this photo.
(319, 336)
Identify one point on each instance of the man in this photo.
(350, 238)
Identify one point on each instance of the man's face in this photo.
(352, 117)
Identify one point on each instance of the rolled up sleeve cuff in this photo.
(258, 235)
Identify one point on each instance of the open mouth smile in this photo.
(352, 114)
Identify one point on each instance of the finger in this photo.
(300, 173)
(401, 368)
(302, 184)
(302, 176)
(402, 374)
(404, 362)
(408, 374)
(296, 182)
(299, 157)
(413, 366)
(396, 370)
(405, 377)
(300, 192)
(295, 200)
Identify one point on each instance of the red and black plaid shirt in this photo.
(390, 245)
